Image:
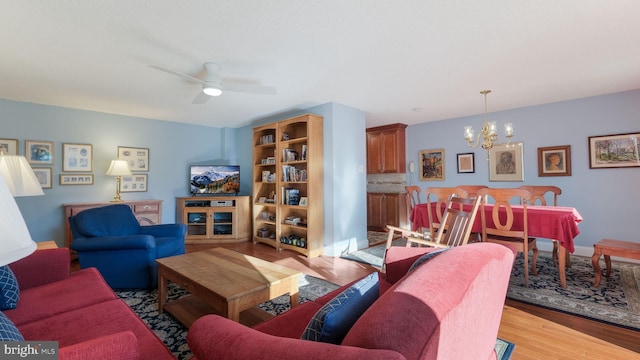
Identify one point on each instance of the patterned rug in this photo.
(174, 335)
(616, 301)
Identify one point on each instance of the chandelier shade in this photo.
(488, 136)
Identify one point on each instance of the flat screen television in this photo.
(214, 179)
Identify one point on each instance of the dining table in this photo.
(556, 223)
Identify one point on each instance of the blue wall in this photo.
(173, 147)
(606, 198)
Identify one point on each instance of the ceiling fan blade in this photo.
(183, 75)
(201, 98)
(247, 88)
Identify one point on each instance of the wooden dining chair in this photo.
(502, 219)
(472, 190)
(539, 192)
(440, 196)
(456, 224)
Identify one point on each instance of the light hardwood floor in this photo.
(537, 332)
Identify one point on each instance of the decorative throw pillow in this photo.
(332, 322)
(8, 330)
(9, 291)
(426, 257)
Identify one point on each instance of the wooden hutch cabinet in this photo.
(386, 149)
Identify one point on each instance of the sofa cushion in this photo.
(95, 321)
(8, 331)
(80, 289)
(332, 322)
(9, 291)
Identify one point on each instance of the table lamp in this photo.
(19, 176)
(15, 240)
(118, 168)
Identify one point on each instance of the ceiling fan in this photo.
(213, 85)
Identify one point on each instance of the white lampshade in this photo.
(19, 176)
(119, 168)
(15, 240)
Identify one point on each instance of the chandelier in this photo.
(488, 134)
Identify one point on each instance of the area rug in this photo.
(174, 335)
(616, 301)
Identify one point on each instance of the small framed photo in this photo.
(44, 177)
(554, 161)
(614, 151)
(506, 162)
(432, 164)
(38, 152)
(466, 163)
(9, 146)
(304, 201)
(138, 158)
(77, 157)
(76, 179)
(134, 183)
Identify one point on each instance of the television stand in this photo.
(214, 219)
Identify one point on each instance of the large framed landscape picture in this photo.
(432, 164)
(614, 151)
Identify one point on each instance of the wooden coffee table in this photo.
(222, 281)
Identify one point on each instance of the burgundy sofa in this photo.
(447, 308)
(79, 310)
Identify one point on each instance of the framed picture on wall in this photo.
(38, 152)
(9, 146)
(76, 179)
(138, 158)
(554, 161)
(614, 151)
(77, 157)
(506, 162)
(432, 164)
(134, 183)
(466, 163)
(44, 177)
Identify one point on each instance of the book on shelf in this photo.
(289, 155)
(304, 152)
(293, 174)
(267, 139)
(290, 196)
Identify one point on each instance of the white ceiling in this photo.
(384, 57)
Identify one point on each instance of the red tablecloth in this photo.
(549, 222)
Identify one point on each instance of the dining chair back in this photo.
(414, 195)
(472, 190)
(498, 224)
(440, 196)
(457, 222)
(539, 191)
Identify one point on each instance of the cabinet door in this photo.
(376, 211)
(392, 209)
(389, 152)
(374, 155)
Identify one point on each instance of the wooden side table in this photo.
(608, 248)
(46, 245)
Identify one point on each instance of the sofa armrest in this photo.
(121, 346)
(165, 230)
(103, 243)
(215, 337)
(42, 267)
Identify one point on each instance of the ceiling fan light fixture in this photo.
(212, 90)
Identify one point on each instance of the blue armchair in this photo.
(111, 239)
